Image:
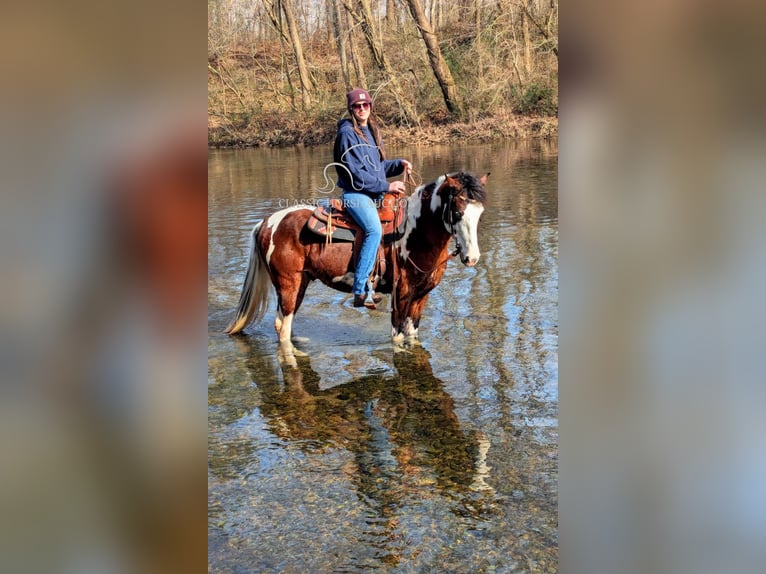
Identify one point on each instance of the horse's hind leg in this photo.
(289, 300)
(305, 280)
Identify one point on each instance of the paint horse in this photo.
(286, 252)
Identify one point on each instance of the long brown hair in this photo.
(372, 123)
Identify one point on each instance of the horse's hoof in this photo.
(400, 347)
(287, 360)
(287, 353)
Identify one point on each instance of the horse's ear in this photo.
(483, 178)
(449, 183)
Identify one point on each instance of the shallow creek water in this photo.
(442, 457)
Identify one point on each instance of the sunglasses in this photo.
(362, 106)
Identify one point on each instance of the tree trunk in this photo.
(340, 42)
(276, 18)
(435, 57)
(329, 26)
(392, 16)
(546, 30)
(527, 42)
(295, 40)
(275, 15)
(356, 58)
(368, 26)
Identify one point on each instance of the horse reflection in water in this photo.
(403, 432)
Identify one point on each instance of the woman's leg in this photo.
(362, 208)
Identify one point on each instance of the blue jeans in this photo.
(364, 211)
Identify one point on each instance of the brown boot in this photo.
(361, 301)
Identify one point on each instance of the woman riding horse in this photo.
(285, 253)
(362, 171)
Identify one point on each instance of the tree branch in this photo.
(539, 26)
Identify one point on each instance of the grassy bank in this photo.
(294, 131)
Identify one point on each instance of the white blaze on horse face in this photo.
(467, 235)
(273, 222)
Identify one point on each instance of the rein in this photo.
(394, 256)
(434, 268)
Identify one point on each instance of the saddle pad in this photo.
(319, 226)
(344, 228)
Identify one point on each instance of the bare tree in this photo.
(288, 34)
(295, 40)
(436, 59)
(547, 31)
(505, 50)
(392, 15)
(527, 39)
(356, 57)
(373, 39)
(365, 19)
(340, 42)
(274, 12)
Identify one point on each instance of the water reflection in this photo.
(400, 427)
(363, 459)
(397, 425)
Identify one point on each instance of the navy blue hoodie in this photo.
(362, 158)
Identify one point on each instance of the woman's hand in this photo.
(396, 187)
(407, 167)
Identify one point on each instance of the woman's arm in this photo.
(362, 160)
(394, 167)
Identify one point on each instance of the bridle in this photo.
(449, 219)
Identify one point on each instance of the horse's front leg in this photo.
(400, 306)
(405, 323)
(412, 321)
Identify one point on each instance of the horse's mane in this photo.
(471, 185)
(469, 182)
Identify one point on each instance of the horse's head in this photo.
(462, 198)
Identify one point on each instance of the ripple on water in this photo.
(359, 459)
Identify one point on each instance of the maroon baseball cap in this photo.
(358, 95)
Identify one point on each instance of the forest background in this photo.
(439, 71)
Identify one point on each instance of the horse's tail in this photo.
(254, 298)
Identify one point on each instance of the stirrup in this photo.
(372, 297)
(369, 302)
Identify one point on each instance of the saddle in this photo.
(332, 221)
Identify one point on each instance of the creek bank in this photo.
(270, 133)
